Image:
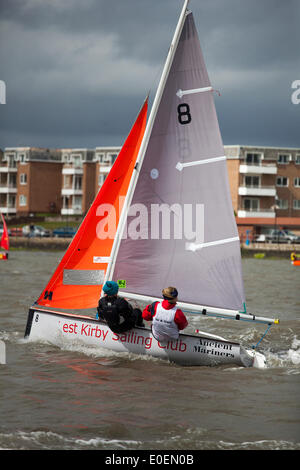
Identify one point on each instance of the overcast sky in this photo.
(77, 71)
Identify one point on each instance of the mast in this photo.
(143, 148)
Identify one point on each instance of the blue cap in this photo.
(110, 288)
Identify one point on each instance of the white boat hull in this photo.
(202, 350)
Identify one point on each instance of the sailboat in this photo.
(163, 217)
(4, 241)
(296, 262)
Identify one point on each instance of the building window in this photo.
(99, 157)
(77, 160)
(282, 181)
(112, 157)
(251, 204)
(253, 158)
(297, 182)
(252, 181)
(23, 200)
(283, 158)
(21, 157)
(78, 182)
(296, 204)
(11, 161)
(12, 181)
(67, 181)
(11, 203)
(102, 178)
(65, 202)
(107, 159)
(282, 203)
(23, 178)
(77, 202)
(297, 160)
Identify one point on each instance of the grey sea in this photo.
(82, 399)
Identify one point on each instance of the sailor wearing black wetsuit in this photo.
(116, 311)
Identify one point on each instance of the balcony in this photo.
(105, 168)
(257, 191)
(72, 170)
(71, 192)
(75, 210)
(259, 169)
(257, 213)
(6, 188)
(8, 210)
(8, 169)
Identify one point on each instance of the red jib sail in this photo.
(78, 279)
(4, 242)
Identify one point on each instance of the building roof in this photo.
(262, 147)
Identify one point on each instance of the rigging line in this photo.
(255, 346)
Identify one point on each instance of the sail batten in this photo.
(195, 247)
(180, 165)
(181, 93)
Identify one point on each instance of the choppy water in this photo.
(55, 398)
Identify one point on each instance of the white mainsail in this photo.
(183, 176)
(178, 226)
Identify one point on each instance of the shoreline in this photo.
(269, 250)
(262, 250)
(39, 243)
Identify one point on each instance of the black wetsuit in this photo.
(119, 314)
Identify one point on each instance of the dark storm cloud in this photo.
(77, 72)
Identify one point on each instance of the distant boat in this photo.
(177, 164)
(4, 242)
(295, 259)
(259, 255)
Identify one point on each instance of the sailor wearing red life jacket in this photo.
(166, 318)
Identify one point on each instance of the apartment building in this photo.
(104, 158)
(84, 171)
(264, 183)
(265, 187)
(77, 185)
(61, 181)
(29, 180)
